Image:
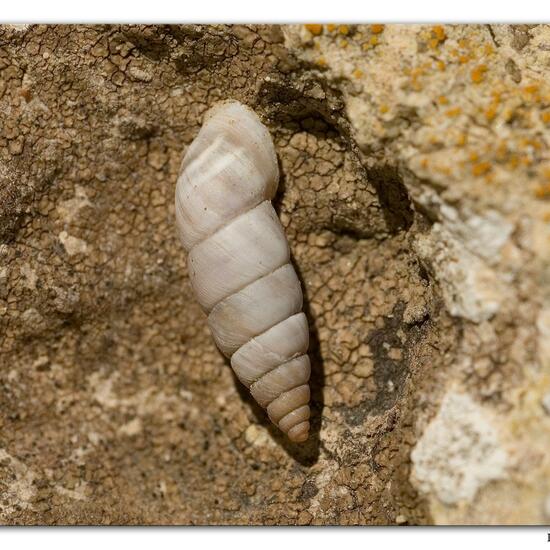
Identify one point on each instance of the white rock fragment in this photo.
(18, 488)
(256, 436)
(73, 245)
(30, 276)
(131, 428)
(79, 493)
(401, 519)
(484, 234)
(69, 209)
(459, 452)
(138, 73)
(469, 287)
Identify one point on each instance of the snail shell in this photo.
(239, 262)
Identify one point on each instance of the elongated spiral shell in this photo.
(239, 262)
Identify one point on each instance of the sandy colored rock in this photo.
(415, 194)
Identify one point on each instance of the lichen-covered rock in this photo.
(415, 186)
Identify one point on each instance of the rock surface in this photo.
(415, 194)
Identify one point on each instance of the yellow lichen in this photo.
(376, 29)
(438, 36)
(357, 73)
(443, 100)
(481, 168)
(384, 108)
(531, 89)
(491, 112)
(513, 163)
(502, 152)
(462, 139)
(373, 40)
(542, 191)
(343, 43)
(314, 29)
(331, 27)
(478, 73)
(443, 169)
(343, 29)
(454, 112)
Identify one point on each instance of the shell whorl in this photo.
(239, 262)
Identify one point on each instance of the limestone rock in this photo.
(415, 188)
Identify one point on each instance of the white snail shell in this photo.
(239, 262)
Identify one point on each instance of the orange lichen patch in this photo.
(440, 65)
(545, 116)
(488, 49)
(443, 169)
(502, 152)
(437, 36)
(491, 112)
(542, 191)
(478, 73)
(462, 139)
(415, 73)
(464, 58)
(481, 168)
(534, 143)
(531, 93)
(357, 73)
(322, 62)
(531, 88)
(314, 29)
(377, 29)
(525, 160)
(509, 114)
(424, 163)
(443, 100)
(474, 156)
(454, 112)
(343, 29)
(514, 162)
(439, 32)
(331, 27)
(384, 108)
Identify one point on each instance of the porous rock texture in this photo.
(415, 194)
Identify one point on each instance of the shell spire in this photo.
(239, 262)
